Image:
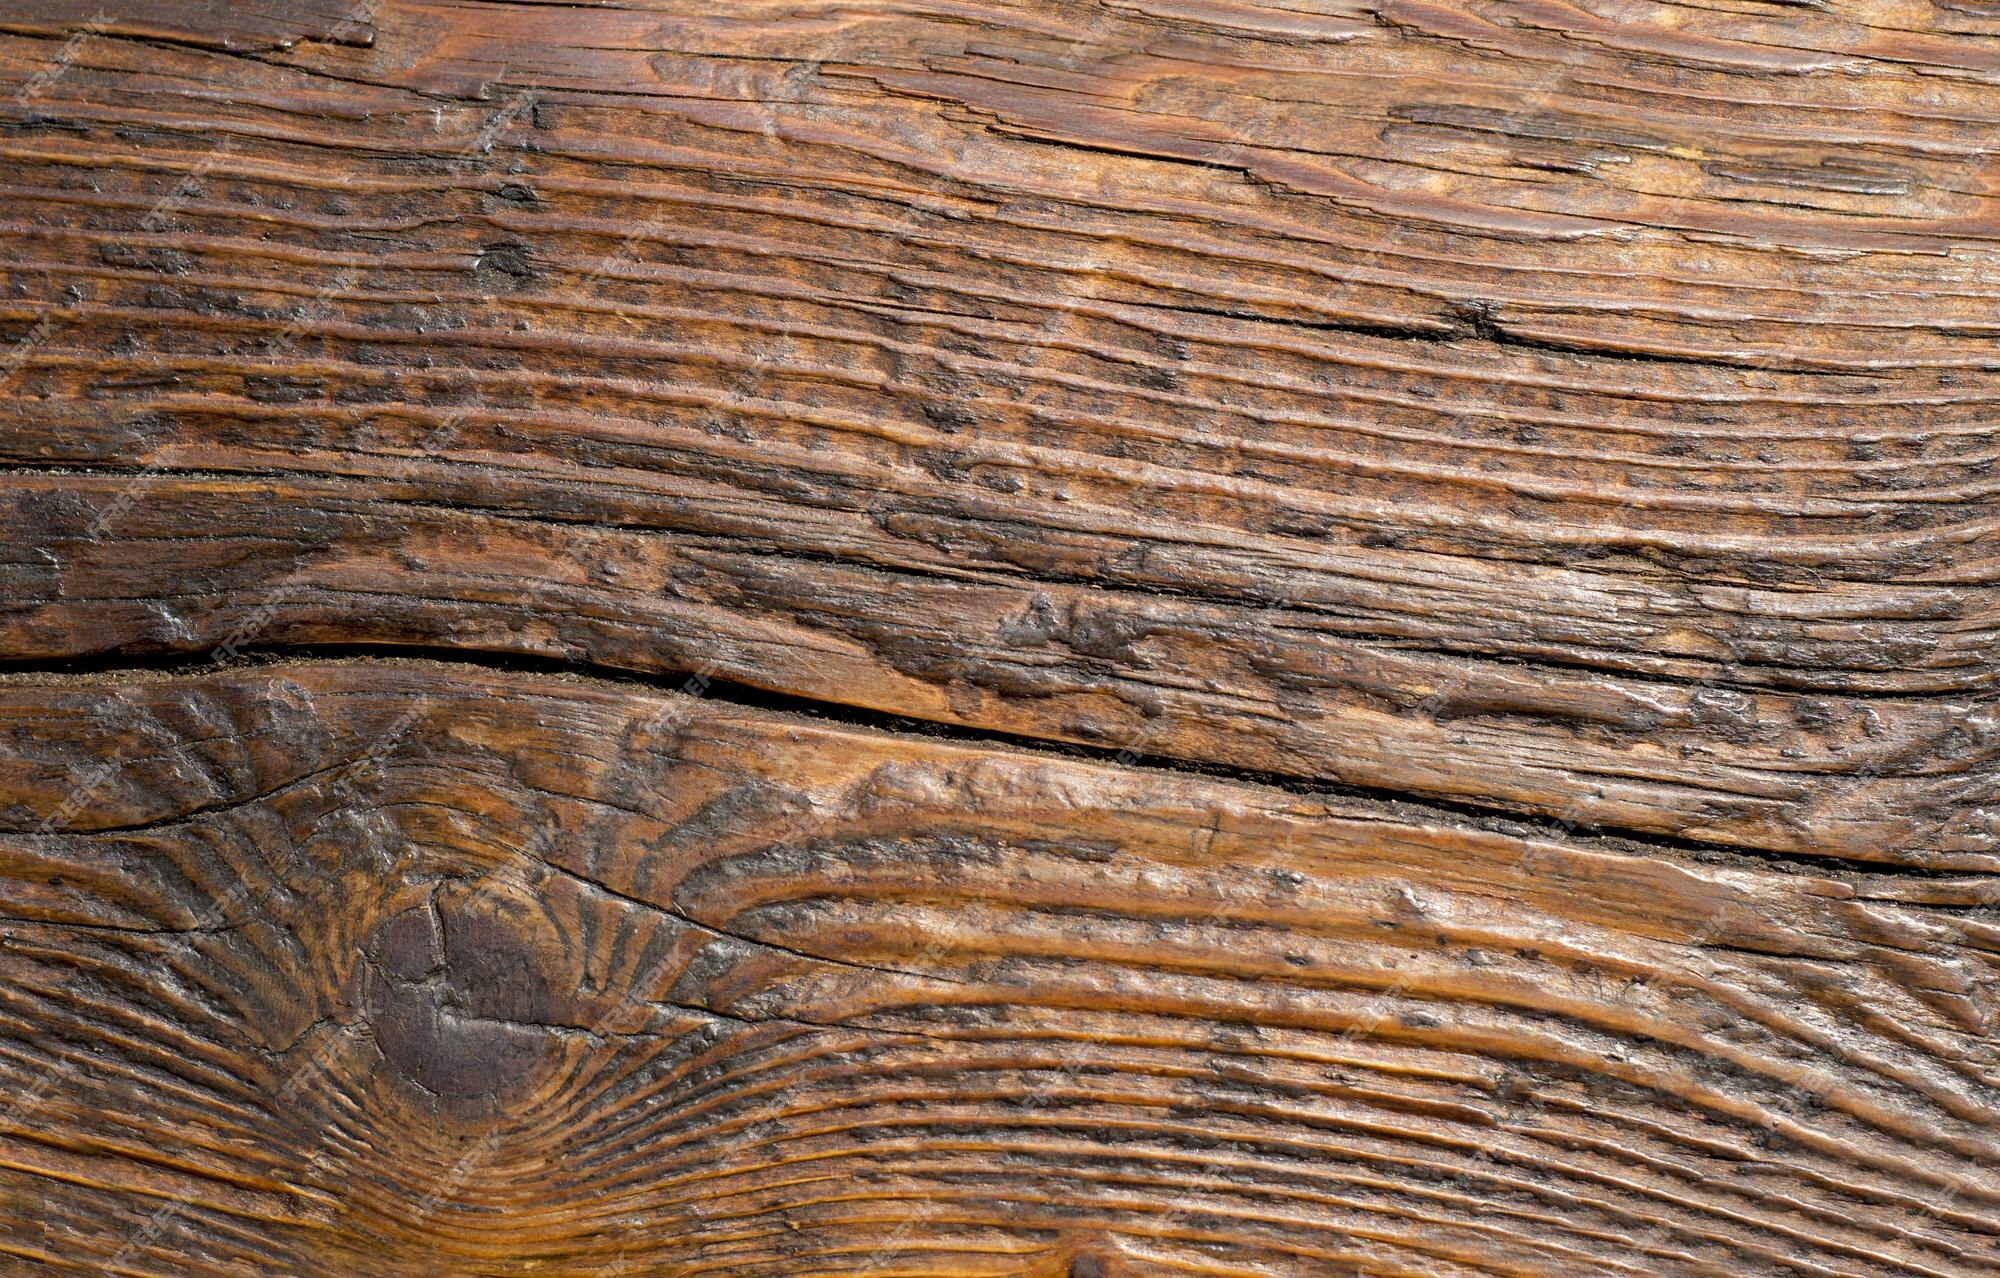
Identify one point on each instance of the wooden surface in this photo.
(975, 638)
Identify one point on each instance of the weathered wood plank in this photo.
(413, 969)
(219, 563)
(1543, 452)
(1263, 460)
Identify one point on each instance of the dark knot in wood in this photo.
(457, 999)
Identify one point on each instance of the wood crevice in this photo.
(1359, 802)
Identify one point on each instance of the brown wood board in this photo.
(1098, 638)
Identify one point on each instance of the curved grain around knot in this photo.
(516, 974)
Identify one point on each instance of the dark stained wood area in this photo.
(1085, 638)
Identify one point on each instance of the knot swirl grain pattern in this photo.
(581, 979)
(1000, 637)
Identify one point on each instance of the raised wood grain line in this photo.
(226, 26)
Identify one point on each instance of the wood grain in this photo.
(1356, 638)
(596, 979)
(759, 358)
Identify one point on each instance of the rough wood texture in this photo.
(584, 978)
(1540, 455)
